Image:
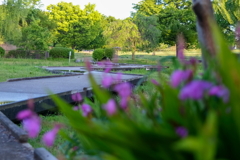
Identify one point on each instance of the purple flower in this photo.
(155, 82)
(86, 110)
(194, 90)
(49, 137)
(75, 108)
(24, 114)
(110, 107)
(123, 89)
(106, 64)
(107, 81)
(118, 78)
(179, 76)
(124, 102)
(32, 125)
(76, 97)
(31, 122)
(181, 131)
(221, 92)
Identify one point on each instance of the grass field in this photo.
(19, 68)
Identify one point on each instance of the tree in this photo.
(148, 7)
(75, 27)
(37, 33)
(174, 17)
(148, 28)
(124, 34)
(13, 11)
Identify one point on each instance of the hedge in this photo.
(2, 52)
(61, 52)
(109, 52)
(99, 54)
(21, 53)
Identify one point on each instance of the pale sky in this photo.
(117, 8)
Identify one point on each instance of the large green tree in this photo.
(150, 33)
(76, 27)
(37, 34)
(13, 11)
(124, 34)
(174, 17)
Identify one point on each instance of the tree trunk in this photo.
(153, 53)
(204, 12)
(133, 54)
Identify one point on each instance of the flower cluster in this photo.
(30, 120)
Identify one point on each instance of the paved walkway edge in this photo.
(16, 131)
(43, 154)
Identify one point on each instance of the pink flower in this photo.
(124, 102)
(31, 121)
(107, 65)
(24, 114)
(118, 78)
(32, 125)
(179, 76)
(75, 108)
(107, 81)
(221, 92)
(195, 90)
(49, 137)
(86, 110)
(76, 97)
(123, 89)
(110, 107)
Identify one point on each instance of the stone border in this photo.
(16, 131)
(22, 137)
(43, 154)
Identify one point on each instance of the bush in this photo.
(61, 52)
(98, 54)
(109, 52)
(2, 52)
(19, 53)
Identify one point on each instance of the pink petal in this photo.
(24, 114)
(49, 137)
(111, 107)
(32, 125)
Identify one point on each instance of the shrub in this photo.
(98, 54)
(61, 52)
(19, 53)
(109, 52)
(2, 52)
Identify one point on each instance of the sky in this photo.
(119, 9)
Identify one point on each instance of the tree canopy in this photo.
(174, 17)
(76, 27)
(124, 34)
